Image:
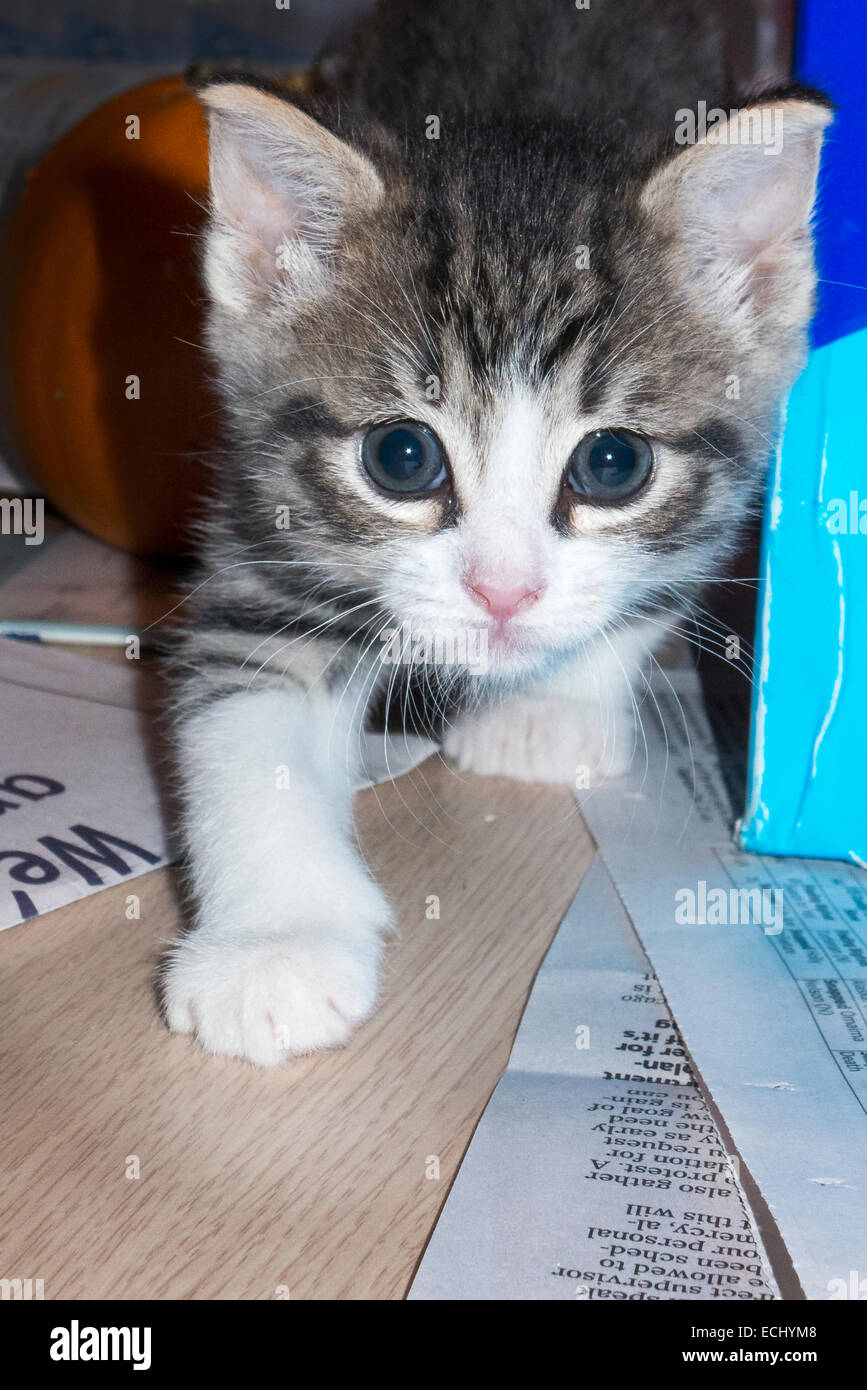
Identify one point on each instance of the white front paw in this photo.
(269, 997)
(547, 738)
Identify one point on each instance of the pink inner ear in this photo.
(777, 208)
(268, 221)
(277, 176)
(744, 201)
(261, 213)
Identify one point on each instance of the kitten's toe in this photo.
(540, 739)
(178, 1011)
(271, 997)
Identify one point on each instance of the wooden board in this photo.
(309, 1179)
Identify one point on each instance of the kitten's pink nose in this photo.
(502, 604)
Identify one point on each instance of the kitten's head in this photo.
(506, 380)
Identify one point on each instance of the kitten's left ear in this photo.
(281, 188)
(738, 204)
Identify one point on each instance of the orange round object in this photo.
(108, 375)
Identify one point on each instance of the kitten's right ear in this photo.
(281, 185)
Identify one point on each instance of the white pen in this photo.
(91, 634)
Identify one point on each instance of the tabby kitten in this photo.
(502, 336)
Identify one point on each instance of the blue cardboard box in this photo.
(807, 789)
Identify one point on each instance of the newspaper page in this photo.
(763, 962)
(597, 1171)
(82, 800)
(79, 806)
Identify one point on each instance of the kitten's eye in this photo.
(404, 457)
(610, 465)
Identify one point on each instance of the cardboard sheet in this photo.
(809, 751)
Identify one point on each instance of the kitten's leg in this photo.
(572, 729)
(285, 951)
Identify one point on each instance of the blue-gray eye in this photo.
(610, 465)
(404, 457)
